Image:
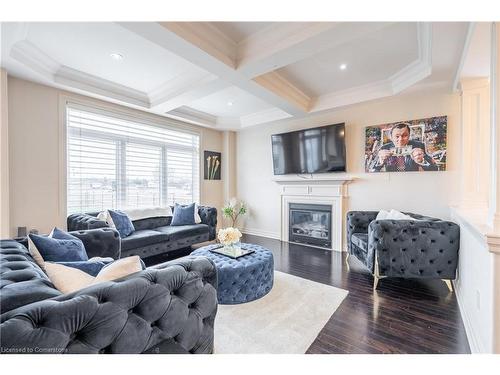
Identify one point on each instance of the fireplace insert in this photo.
(310, 224)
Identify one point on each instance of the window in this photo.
(115, 162)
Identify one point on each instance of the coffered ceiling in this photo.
(230, 75)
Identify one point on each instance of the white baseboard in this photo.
(475, 343)
(262, 233)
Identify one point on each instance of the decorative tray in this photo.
(234, 253)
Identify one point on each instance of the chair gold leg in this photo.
(347, 261)
(375, 273)
(448, 284)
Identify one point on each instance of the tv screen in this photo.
(316, 150)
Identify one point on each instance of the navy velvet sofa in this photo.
(154, 235)
(168, 308)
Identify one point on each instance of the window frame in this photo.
(107, 109)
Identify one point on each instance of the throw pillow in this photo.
(93, 266)
(197, 218)
(57, 247)
(69, 279)
(122, 223)
(393, 215)
(105, 216)
(144, 213)
(55, 233)
(183, 215)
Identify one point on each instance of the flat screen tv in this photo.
(316, 150)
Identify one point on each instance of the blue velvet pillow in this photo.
(122, 223)
(61, 247)
(90, 267)
(183, 215)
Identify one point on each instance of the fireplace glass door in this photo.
(310, 224)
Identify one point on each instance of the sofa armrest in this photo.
(357, 222)
(420, 249)
(130, 315)
(84, 222)
(101, 242)
(208, 216)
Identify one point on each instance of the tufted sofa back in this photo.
(22, 281)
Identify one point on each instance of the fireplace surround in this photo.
(325, 193)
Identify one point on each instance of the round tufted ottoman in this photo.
(244, 279)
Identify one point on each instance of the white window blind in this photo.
(117, 162)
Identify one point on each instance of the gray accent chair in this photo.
(168, 308)
(424, 249)
(154, 235)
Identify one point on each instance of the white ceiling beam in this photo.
(275, 82)
(184, 41)
(184, 89)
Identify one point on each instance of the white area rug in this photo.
(287, 320)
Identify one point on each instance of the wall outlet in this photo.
(478, 300)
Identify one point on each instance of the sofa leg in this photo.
(448, 284)
(347, 260)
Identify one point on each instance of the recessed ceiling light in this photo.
(116, 56)
(343, 66)
(229, 104)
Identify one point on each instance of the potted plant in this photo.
(233, 210)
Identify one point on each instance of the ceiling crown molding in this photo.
(35, 59)
(100, 86)
(422, 67)
(193, 116)
(401, 80)
(261, 117)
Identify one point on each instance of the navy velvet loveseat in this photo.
(154, 235)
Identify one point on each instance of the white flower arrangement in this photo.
(229, 236)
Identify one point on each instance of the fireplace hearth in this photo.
(310, 224)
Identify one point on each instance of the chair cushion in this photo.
(183, 215)
(182, 231)
(141, 238)
(360, 240)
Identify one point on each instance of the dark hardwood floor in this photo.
(401, 316)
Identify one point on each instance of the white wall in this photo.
(428, 193)
(4, 157)
(474, 287)
(35, 142)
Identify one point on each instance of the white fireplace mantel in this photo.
(332, 194)
(328, 178)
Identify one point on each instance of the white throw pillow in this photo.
(105, 216)
(382, 215)
(197, 218)
(393, 215)
(35, 254)
(144, 213)
(68, 279)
